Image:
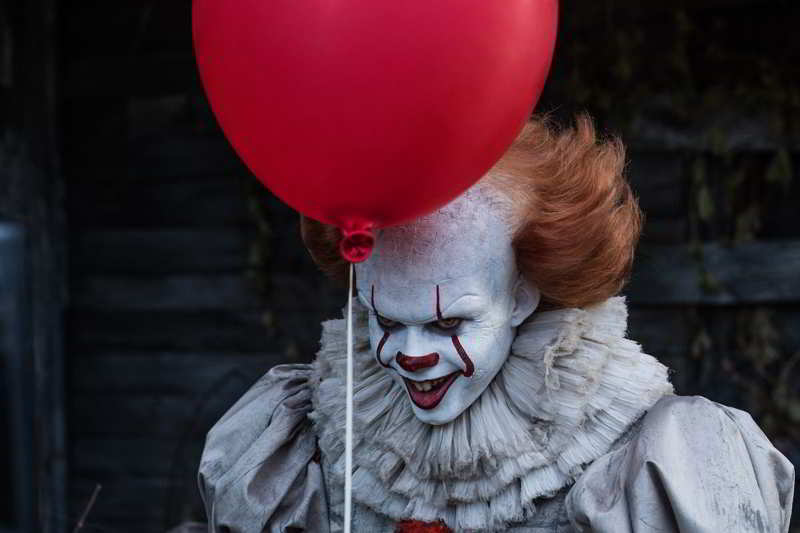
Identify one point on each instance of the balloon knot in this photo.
(356, 245)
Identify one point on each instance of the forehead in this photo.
(464, 248)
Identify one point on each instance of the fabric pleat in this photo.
(572, 385)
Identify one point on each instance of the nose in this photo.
(412, 364)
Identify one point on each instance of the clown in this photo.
(495, 389)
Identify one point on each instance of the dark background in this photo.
(160, 280)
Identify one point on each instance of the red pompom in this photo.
(416, 526)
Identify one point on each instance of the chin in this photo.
(434, 417)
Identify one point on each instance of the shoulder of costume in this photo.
(264, 445)
(693, 463)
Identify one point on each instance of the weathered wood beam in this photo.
(158, 372)
(165, 292)
(153, 74)
(236, 331)
(727, 131)
(157, 416)
(128, 27)
(716, 274)
(204, 291)
(122, 501)
(592, 17)
(189, 202)
(183, 155)
(110, 252)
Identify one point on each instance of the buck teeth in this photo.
(427, 385)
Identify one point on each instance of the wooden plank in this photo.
(187, 110)
(124, 504)
(165, 292)
(664, 231)
(204, 291)
(244, 331)
(146, 74)
(235, 331)
(176, 155)
(135, 504)
(170, 464)
(660, 331)
(95, 140)
(156, 414)
(710, 368)
(753, 272)
(158, 372)
(290, 292)
(779, 215)
(133, 456)
(593, 16)
(740, 132)
(668, 331)
(128, 27)
(659, 181)
(159, 429)
(169, 155)
(116, 252)
(189, 202)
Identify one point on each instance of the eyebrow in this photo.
(439, 314)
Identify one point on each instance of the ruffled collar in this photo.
(572, 385)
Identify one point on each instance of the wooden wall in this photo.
(31, 199)
(187, 281)
(705, 96)
(171, 318)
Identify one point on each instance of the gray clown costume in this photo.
(580, 431)
(477, 409)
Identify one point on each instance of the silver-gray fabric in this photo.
(258, 470)
(696, 466)
(689, 466)
(572, 386)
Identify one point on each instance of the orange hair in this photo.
(576, 221)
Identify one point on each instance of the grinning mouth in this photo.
(427, 394)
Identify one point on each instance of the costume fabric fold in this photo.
(571, 387)
(258, 472)
(578, 432)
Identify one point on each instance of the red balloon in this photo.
(367, 113)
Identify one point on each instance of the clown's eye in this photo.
(386, 322)
(447, 323)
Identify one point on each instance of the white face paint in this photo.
(445, 299)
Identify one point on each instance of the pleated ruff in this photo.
(572, 385)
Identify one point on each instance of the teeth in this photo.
(427, 385)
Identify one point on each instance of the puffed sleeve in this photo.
(258, 470)
(694, 467)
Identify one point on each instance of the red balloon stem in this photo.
(356, 245)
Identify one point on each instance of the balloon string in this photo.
(348, 428)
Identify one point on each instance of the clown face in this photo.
(445, 299)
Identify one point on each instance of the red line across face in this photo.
(385, 333)
(469, 367)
